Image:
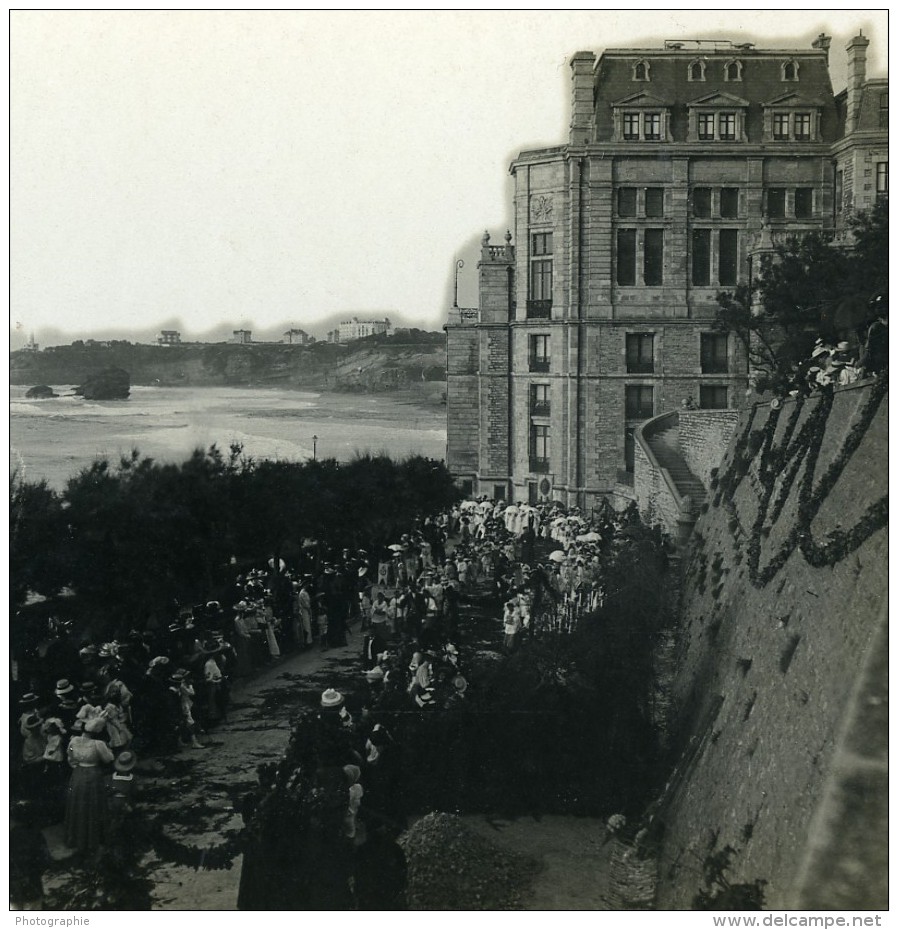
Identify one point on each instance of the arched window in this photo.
(732, 71)
(697, 70)
(641, 71)
(790, 70)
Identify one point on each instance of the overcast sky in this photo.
(269, 168)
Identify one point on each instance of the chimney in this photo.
(857, 75)
(823, 42)
(582, 65)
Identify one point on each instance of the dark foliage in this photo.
(132, 538)
(808, 287)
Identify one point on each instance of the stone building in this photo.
(861, 155)
(682, 164)
(297, 337)
(359, 329)
(169, 337)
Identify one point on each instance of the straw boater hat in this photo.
(159, 660)
(331, 699)
(125, 762)
(64, 687)
(28, 700)
(33, 722)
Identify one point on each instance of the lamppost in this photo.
(458, 266)
(314, 447)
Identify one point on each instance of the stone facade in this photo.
(704, 436)
(682, 163)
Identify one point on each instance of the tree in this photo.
(36, 528)
(809, 286)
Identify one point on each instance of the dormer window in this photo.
(717, 117)
(792, 118)
(732, 71)
(641, 71)
(697, 70)
(789, 70)
(641, 117)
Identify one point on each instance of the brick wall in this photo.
(462, 400)
(704, 437)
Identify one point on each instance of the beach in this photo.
(54, 439)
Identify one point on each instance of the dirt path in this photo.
(197, 790)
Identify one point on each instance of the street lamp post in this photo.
(314, 447)
(458, 266)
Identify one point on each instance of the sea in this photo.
(54, 439)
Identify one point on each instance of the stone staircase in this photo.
(665, 444)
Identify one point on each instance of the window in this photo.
(729, 202)
(780, 126)
(640, 353)
(714, 355)
(652, 125)
(641, 71)
(631, 126)
(539, 304)
(499, 492)
(626, 201)
(732, 71)
(837, 194)
(539, 400)
(882, 179)
(653, 257)
(539, 353)
(701, 201)
(804, 202)
(630, 449)
(776, 203)
(790, 71)
(701, 257)
(728, 256)
(539, 447)
(639, 401)
(542, 243)
(541, 280)
(654, 201)
(712, 397)
(883, 111)
(626, 257)
(802, 126)
(467, 488)
(727, 126)
(697, 71)
(706, 125)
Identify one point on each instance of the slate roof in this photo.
(669, 80)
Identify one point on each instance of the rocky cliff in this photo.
(385, 363)
(780, 776)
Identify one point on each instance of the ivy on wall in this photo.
(790, 464)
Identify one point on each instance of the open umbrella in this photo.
(589, 537)
(557, 556)
(395, 547)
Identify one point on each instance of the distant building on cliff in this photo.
(359, 329)
(298, 337)
(683, 163)
(169, 337)
(242, 337)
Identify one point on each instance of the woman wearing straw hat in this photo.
(86, 812)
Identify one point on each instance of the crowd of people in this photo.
(92, 709)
